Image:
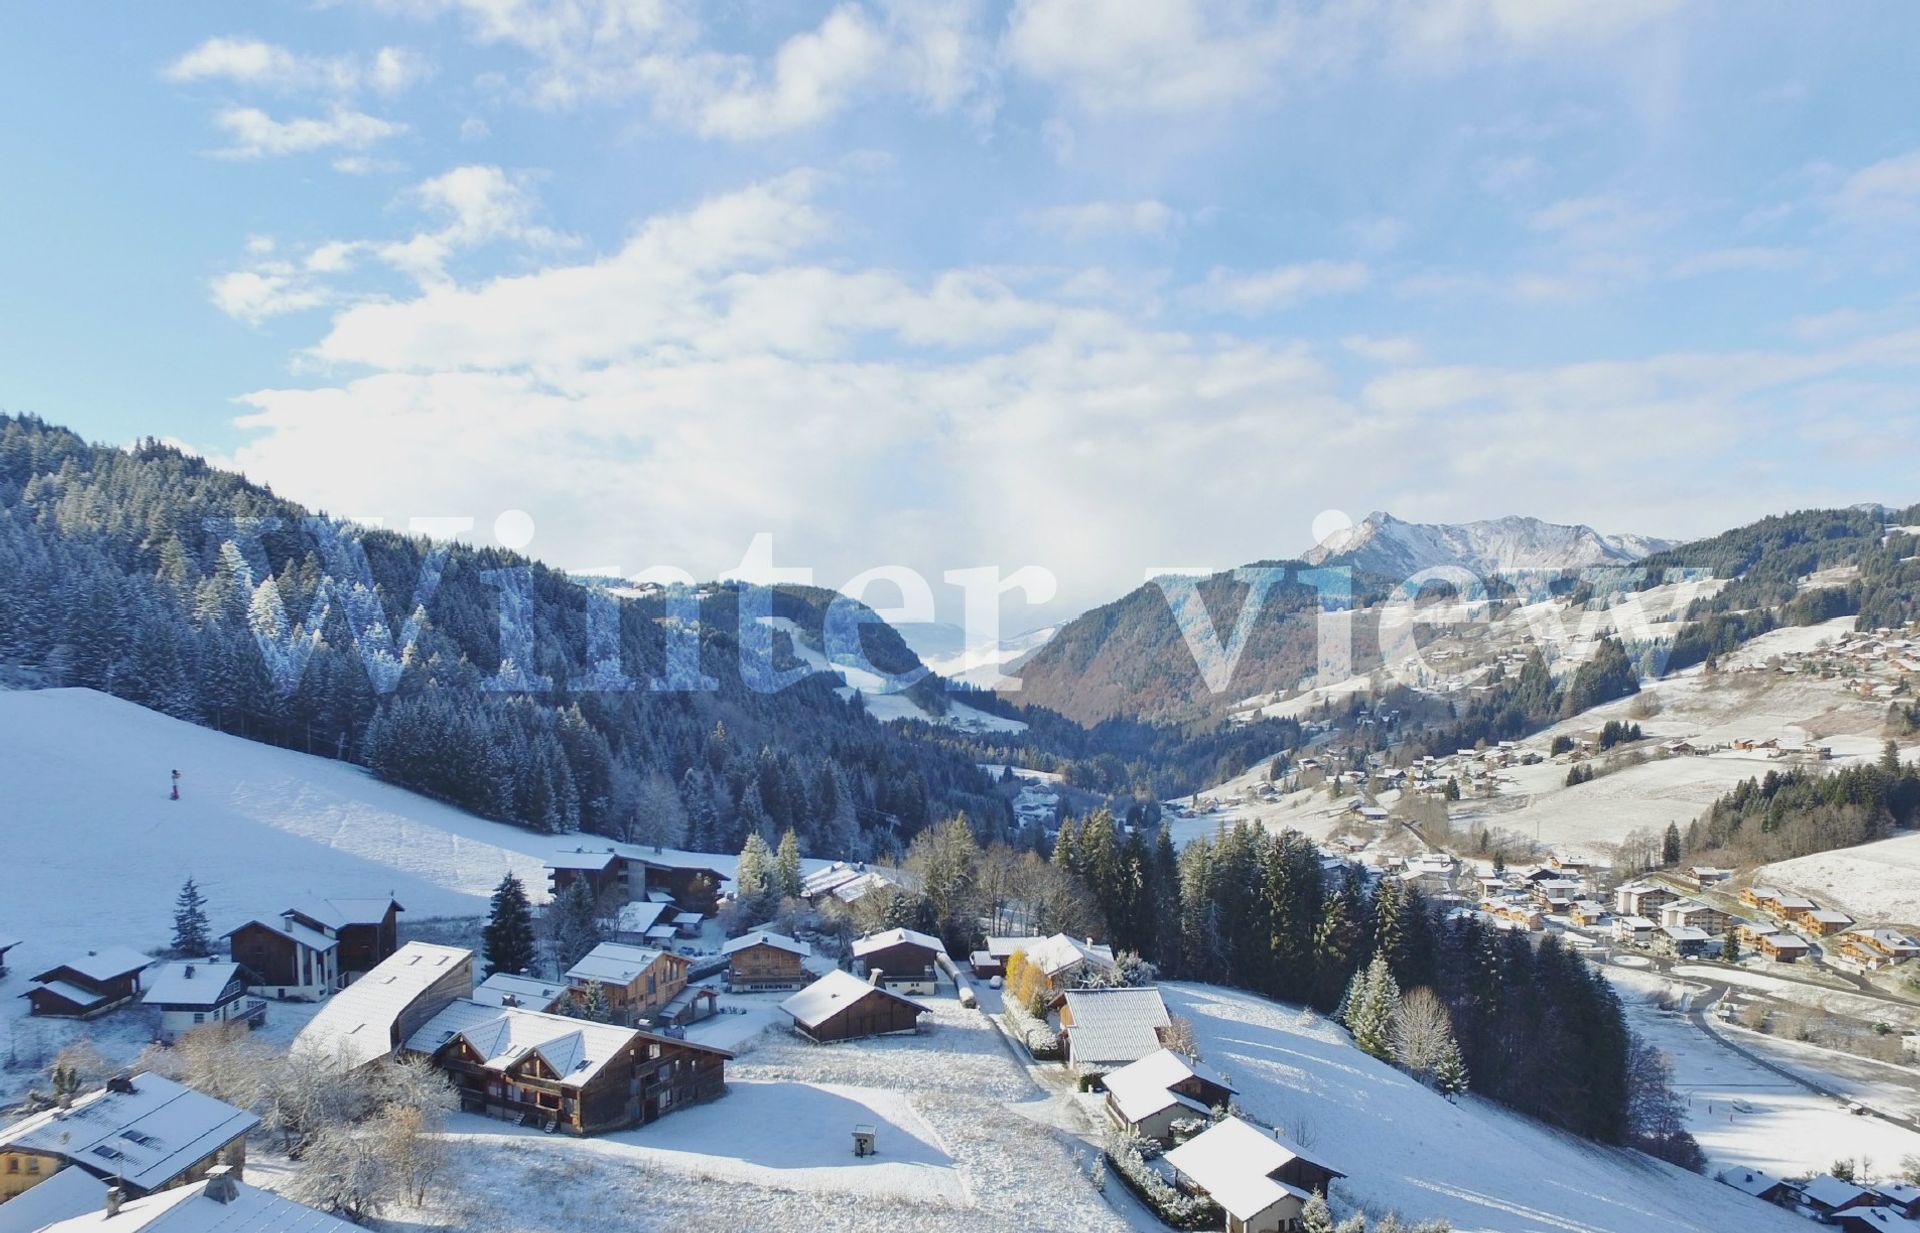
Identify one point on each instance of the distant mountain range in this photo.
(1129, 659)
(944, 649)
(1391, 548)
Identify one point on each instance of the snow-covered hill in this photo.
(86, 815)
(1473, 1163)
(1385, 545)
(943, 647)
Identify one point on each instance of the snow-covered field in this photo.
(1406, 1148)
(1878, 883)
(1745, 1114)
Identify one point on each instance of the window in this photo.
(199, 1016)
(13, 1164)
(33, 1164)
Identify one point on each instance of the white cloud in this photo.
(717, 375)
(812, 77)
(1281, 287)
(1885, 192)
(255, 295)
(253, 133)
(1093, 219)
(261, 65)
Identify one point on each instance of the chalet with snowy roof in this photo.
(1695, 914)
(289, 959)
(1871, 1218)
(88, 985)
(372, 1017)
(367, 929)
(1641, 898)
(221, 1203)
(564, 1074)
(627, 872)
(68, 1193)
(638, 980)
(1825, 922)
(992, 961)
(1150, 1095)
(143, 1134)
(1102, 1030)
(1827, 1195)
(523, 992)
(841, 1006)
(644, 922)
(192, 992)
(900, 959)
(1681, 941)
(1903, 1197)
(1064, 962)
(1761, 1185)
(764, 959)
(1586, 913)
(1776, 943)
(1261, 1181)
(1877, 948)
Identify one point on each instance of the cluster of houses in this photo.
(1876, 1207)
(1877, 664)
(307, 952)
(141, 1153)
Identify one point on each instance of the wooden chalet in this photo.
(1761, 1185)
(1261, 1181)
(289, 960)
(565, 1074)
(638, 980)
(368, 930)
(525, 992)
(89, 985)
(841, 1006)
(193, 992)
(144, 1133)
(901, 959)
(623, 873)
(1102, 1030)
(1150, 1095)
(766, 960)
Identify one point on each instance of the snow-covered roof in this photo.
(640, 915)
(614, 963)
(1685, 933)
(575, 1049)
(7, 944)
(1827, 916)
(1143, 1088)
(896, 937)
(832, 993)
(527, 991)
(1000, 948)
(581, 858)
(106, 963)
(147, 1134)
(1876, 1216)
(1831, 1191)
(1060, 952)
(358, 1024)
(312, 939)
(1113, 1026)
(189, 982)
(1749, 1181)
(339, 913)
(1901, 1193)
(1635, 923)
(191, 1209)
(1232, 1161)
(766, 937)
(70, 1192)
(72, 993)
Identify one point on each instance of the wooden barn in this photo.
(766, 960)
(565, 1074)
(903, 959)
(841, 1006)
(90, 985)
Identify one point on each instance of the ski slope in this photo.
(1473, 1163)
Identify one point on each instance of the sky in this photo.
(1100, 288)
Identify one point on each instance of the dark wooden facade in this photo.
(276, 958)
(766, 966)
(649, 1078)
(68, 994)
(875, 1013)
(902, 961)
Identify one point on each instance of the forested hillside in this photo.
(472, 675)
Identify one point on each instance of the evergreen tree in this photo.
(1315, 1215)
(786, 865)
(508, 936)
(754, 877)
(594, 1005)
(1730, 947)
(192, 936)
(1670, 846)
(1371, 1002)
(575, 924)
(1450, 1074)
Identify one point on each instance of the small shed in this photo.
(841, 1006)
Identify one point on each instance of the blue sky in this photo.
(1095, 287)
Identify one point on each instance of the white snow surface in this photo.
(1875, 882)
(1385, 545)
(1407, 1148)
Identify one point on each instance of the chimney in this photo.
(189, 972)
(115, 1197)
(873, 976)
(221, 1187)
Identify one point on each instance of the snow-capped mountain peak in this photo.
(1385, 545)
